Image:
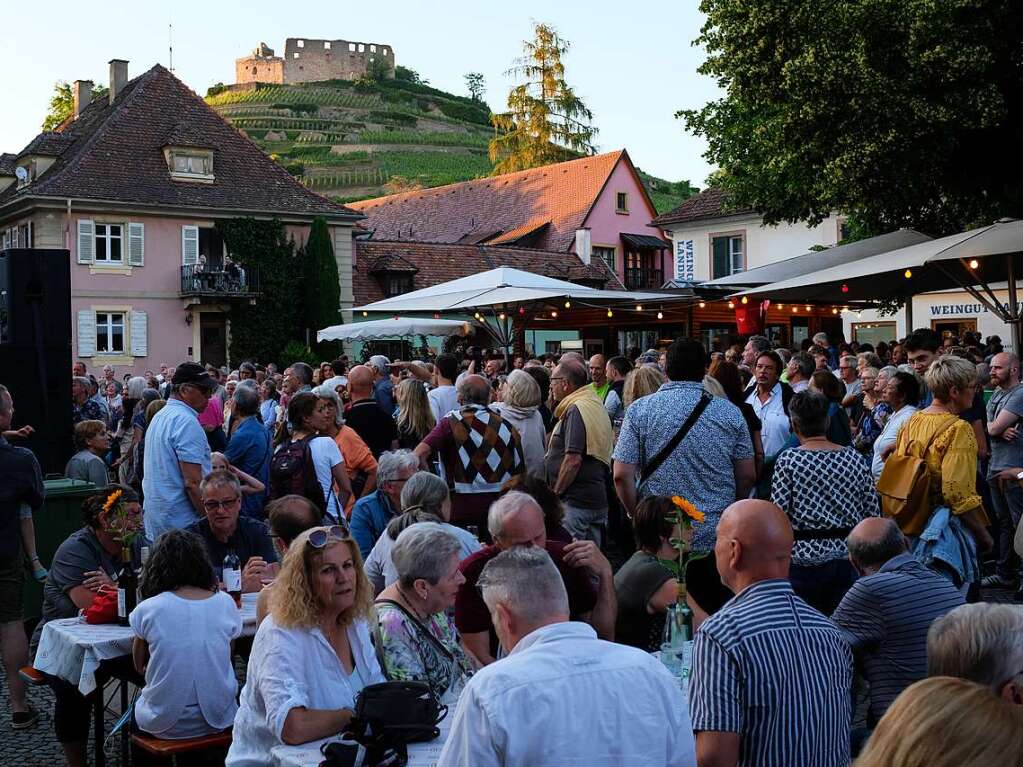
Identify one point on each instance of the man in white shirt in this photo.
(443, 397)
(562, 696)
(800, 369)
(769, 399)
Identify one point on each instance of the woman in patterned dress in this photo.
(826, 490)
(417, 638)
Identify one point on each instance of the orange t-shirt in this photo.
(358, 457)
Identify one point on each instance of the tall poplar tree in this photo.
(545, 122)
(321, 290)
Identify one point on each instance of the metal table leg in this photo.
(98, 728)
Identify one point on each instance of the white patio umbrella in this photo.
(394, 327)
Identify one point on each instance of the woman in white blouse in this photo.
(312, 655)
(184, 628)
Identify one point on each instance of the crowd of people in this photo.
(511, 538)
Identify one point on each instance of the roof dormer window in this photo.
(190, 164)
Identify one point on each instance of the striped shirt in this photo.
(885, 617)
(774, 670)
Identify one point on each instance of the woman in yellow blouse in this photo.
(948, 447)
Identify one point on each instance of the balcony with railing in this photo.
(222, 284)
(643, 279)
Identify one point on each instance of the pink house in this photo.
(133, 185)
(595, 207)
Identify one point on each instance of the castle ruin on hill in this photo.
(308, 60)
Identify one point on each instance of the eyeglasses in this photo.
(214, 505)
(557, 378)
(318, 538)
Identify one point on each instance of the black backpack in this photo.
(292, 473)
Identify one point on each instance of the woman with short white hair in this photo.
(416, 637)
(519, 406)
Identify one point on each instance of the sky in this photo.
(633, 64)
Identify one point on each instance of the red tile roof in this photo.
(115, 152)
(437, 263)
(710, 203)
(561, 194)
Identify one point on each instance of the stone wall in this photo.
(307, 60)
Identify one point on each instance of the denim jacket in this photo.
(370, 516)
(946, 542)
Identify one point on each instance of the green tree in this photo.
(263, 330)
(546, 122)
(411, 75)
(477, 85)
(62, 103)
(321, 290)
(899, 112)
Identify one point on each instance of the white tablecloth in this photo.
(308, 755)
(72, 649)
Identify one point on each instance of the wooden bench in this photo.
(172, 749)
(33, 677)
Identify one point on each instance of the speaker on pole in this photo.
(35, 348)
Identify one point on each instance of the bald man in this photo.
(369, 420)
(886, 613)
(771, 676)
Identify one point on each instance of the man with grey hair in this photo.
(982, 642)
(516, 521)
(383, 389)
(83, 406)
(754, 347)
(249, 448)
(224, 530)
(799, 370)
(562, 695)
(886, 613)
(373, 511)
(479, 450)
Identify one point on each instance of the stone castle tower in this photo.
(308, 60)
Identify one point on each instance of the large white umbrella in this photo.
(501, 287)
(394, 327)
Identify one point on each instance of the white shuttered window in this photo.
(86, 242)
(136, 244)
(139, 334)
(189, 245)
(86, 333)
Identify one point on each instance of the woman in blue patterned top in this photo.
(826, 490)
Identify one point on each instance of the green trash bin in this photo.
(59, 516)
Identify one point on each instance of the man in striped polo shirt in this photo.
(771, 676)
(887, 612)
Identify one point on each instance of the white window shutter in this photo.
(189, 245)
(86, 242)
(139, 334)
(86, 333)
(136, 244)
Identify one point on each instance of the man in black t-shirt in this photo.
(370, 422)
(21, 482)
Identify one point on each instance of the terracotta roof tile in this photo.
(441, 262)
(710, 203)
(115, 152)
(560, 194)
(48, 143)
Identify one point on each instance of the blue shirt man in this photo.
(249, 450)
(177, 454)
(383, 389)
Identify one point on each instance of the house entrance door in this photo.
(213, 338)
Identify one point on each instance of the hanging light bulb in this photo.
(500, 316)
(660, 315)
(568, 304)
(436, 315)
(639, 307)
(731, 304)
(908, 273)
(808, 308)
(795, 309)
(703, 304)
(974, 263)
(845, 288)
(834, 311)
(476, 315)
(522, 311)
(610, 313)
(554, 314)
(780, 306)
(745, 300)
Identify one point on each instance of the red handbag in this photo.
(103, 608)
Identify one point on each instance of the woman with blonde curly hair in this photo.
(640, 382)
(946, 722)
(312, 655)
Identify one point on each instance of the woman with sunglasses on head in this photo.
(312, 655)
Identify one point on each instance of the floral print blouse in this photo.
(408, 654)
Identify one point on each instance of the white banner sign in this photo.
(684, 261)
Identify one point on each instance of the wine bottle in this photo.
(233, 576)
(127, 588)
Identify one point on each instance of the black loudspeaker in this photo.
(35, 348)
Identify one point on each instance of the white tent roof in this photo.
(395, 327)
(500, 286)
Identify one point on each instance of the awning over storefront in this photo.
(645, 241)
(816, 261)
(394, 327)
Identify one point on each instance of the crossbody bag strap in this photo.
(675, 441)
(422, 629)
